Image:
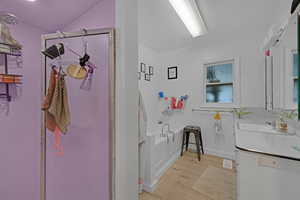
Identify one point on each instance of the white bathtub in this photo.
(161, 153)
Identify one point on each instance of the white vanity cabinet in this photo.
(268, 165)
(262, 177)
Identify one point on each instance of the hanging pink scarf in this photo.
(57, 145)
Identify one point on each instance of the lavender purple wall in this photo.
(101, 15)
(83, 172)
(20, 131)
(84, 169)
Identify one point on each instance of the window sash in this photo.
(210, 84)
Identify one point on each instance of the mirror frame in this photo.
(298, 44)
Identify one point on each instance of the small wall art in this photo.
(172, 73)
(147, 77)
(145, 71)
(143, 68)
(151, 70)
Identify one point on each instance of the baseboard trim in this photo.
(221, 154)
(214, 152)
(150, 188)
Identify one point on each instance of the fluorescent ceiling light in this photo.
(189, 13)
(31, 0)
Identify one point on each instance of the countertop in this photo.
(269, 143)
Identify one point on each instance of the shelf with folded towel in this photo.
(10, 79)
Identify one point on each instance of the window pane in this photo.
(295, 64)
(219, 94)
(219, 73)
(296, 91)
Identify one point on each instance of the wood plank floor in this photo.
(189, 179)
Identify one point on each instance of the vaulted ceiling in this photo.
(49, 15)
(160, 28)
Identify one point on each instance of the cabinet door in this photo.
(267, 178)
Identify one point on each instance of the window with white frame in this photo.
(221, 83)
(295, 77)
(290, 89)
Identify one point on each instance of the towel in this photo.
(50, 120)
(60, 105)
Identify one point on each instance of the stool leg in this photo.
(187, 135)
(183, 141)
(198, 145)
(201, 142)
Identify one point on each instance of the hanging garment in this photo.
(58, 146)
(87, 82)
(50, 92)
(50, 120)
(60, 105)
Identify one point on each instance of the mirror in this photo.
(282, 67)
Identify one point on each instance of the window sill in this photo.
(219, 105)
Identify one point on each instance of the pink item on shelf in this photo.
(173, 103)
(267, 53)
(180, 104)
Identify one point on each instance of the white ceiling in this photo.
(160, 28)
(49, 15)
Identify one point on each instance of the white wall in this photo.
(244, 44)
(149, 89)
(190, 64)
(102, 15)
(126, 100)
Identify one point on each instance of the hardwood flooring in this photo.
(189, 179)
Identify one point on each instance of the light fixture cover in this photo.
(189, 13)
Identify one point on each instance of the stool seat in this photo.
(196, 130)
(192, 128)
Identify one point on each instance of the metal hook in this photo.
(85, 32)
(84, 41)
(62, 34)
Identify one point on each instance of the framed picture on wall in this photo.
(147, 77)
(143, 67)
(172, 73)
(151, 70)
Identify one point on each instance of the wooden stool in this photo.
(198, 137)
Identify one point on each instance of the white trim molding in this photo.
(236, 83)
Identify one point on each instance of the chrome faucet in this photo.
(162, 130)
